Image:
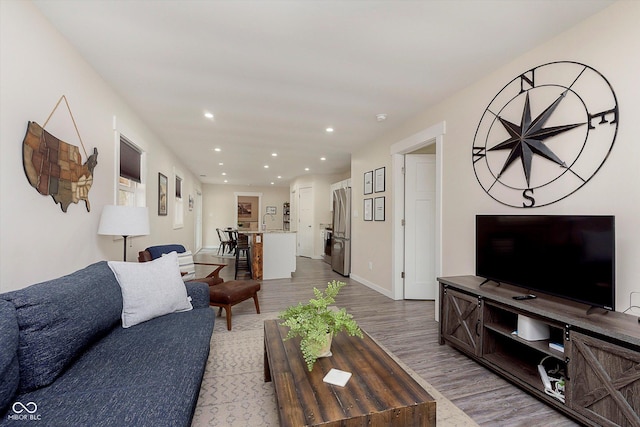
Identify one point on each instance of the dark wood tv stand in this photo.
(601, 351)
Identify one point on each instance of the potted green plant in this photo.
(316, 323)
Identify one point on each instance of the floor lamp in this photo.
(124, 221)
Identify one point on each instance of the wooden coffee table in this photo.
(379, 394)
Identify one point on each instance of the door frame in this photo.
(198, 221)
(432, 135)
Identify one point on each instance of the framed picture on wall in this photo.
(163, 185)
(378, 209)
(379, 180)
(244, 209)
(368, 209)
(368, 182)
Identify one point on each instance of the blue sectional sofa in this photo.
(66, 360)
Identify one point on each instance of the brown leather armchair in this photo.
(154, 252)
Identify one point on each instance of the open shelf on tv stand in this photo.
(601, 357)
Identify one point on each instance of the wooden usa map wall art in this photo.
(53, 167)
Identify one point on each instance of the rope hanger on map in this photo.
(72, 119)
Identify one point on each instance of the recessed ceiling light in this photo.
(279, 176)
(217, 150)
(306, 169)
(225, 180)
(220, 164)
(272, 183)
(329, 130)
(223, 173)
(266, 166)
(274, 154)
(381, 117)
(323, 158)
(208, 115)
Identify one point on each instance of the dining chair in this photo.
(225, 243)
(233, 240)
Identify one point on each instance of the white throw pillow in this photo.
(150, 289)
(185, 262)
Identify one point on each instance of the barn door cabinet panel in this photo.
(460, 324)
(600, 355)
(605, 381)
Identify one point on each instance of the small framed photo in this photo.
(378, 209)
(163, 186)
(379, 180)
(368, 182)
(368, 209)
(244, 209)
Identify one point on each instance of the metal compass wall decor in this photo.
(545, 134)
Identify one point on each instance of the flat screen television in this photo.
(567, 256)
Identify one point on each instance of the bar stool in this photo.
(243, 255)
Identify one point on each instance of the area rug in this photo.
(234, 393)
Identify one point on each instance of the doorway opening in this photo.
(248, 207)
(198, 224)
(433, 135)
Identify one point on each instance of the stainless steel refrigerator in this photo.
(341, 238)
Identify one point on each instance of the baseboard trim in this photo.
(386, 292)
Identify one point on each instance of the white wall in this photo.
(371, 241)
(608, 42)
(38, 241)
(220, 209)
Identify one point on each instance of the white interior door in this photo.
(305, 222)
(420, 214)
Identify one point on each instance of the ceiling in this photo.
(276, 74)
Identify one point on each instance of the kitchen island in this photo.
(273, 253)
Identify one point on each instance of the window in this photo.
(131, 189)
(178, 187)
(129, 161)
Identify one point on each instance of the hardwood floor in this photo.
(408, 329)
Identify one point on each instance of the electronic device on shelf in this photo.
(568, 256)
(554, 384)
(544, 377)
(556, 346)
(523, 297)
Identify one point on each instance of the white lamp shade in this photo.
(124, 221)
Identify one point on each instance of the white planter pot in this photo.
(325, 351)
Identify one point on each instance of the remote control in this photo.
(521, 297)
